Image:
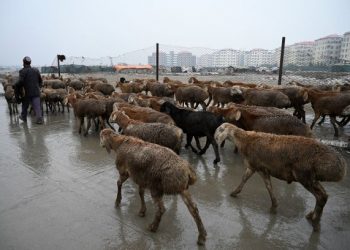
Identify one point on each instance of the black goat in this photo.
(195, 124)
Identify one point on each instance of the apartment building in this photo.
(205, 60)
(162, 59)
(258, 57)
(186, 59)
(345, 49)
(226, 57)
(299, 54)
(327, 50)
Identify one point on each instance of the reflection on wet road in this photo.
(58, 190)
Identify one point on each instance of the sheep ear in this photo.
(237, 115)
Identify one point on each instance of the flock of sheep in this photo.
(154, 117)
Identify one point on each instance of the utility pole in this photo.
(281, 61)
(60, 58)
(157, 62)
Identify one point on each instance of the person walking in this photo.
(30, 80)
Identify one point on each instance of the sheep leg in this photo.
(342, 123)
(267, 181)
(321, 199)
(248, 173)
(198, 144)
(143, 204)
(188, 143)
(10, 108)
(122, 178)
(204, 107)
(81, 124)
(102, 123)
(322, 120)
(333, 121)
(317, 116)
(88, 125)
(157, 198)
(216, 150)
(206, 146)
(192, 207)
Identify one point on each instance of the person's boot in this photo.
(39, 121)
(24, 119)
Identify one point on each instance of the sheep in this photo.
(223, 95)
(156, 168)
(263, 97)
(75, 84)
(195, 124)
(193, 95)
(54, 84)
(159, 89)
(104, 88)
(298, 96)
(263, 119)
(11, 99)
(166, 135)
(90, 108)
(288, 158)
(328, 103)
(147, 115)
(131, 87)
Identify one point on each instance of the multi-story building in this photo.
(162, 59)
(327, 50)
(205, 60)
(186, 59)
(258, 57)
(171, 59)
(299, 54)
(345, 48)
(226, 57)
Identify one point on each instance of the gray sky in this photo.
(43, 28)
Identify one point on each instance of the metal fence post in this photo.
(157, 61)
(58, 66)
(281, 61)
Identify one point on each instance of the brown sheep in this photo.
(263, 119)
(144, 114)
(156, 168)
(131, 87)
(329, 103)
(192, 94)
(288, 158)
(166, 135)
(263, 97)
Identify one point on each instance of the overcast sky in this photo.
(97, 28)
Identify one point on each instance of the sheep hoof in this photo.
(201, 240)
(234, 194)
(201, 152)
(216, 161)
(273, 209)
(153, 228)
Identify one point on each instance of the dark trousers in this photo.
(35, 101)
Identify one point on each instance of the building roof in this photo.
(329, 36)
(126, 67)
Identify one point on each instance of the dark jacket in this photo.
(30, 80)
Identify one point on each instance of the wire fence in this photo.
(302, 63)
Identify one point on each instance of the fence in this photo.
(256, 65)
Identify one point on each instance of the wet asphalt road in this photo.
(57, 191)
